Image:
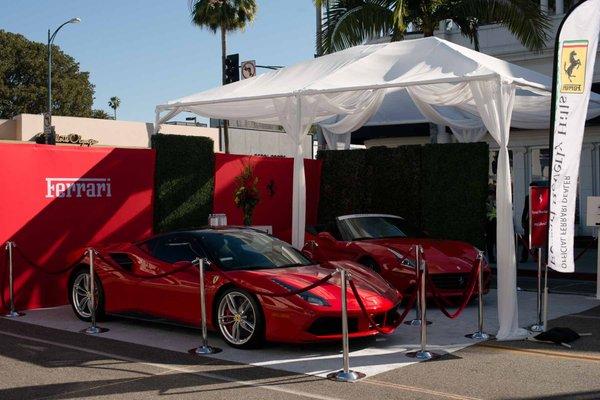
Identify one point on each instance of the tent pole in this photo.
(297, 236)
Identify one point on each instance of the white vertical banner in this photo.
(575, 54)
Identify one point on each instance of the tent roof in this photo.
(396, 64)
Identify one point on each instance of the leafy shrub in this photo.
(184, 181)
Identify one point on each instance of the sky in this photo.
(147, 52)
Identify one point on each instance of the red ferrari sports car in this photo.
(384, 243)
(241, 266)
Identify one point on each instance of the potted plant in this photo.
(246, 195)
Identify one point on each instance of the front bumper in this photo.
(327, 326)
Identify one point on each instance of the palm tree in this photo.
(114, 103)
(351, 22)
(225, 16)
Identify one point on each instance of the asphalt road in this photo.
(42, 363)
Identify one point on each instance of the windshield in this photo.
(376, 227)
(247, 249)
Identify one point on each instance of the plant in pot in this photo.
(246, 195)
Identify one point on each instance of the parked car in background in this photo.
(156, 278)
(386, 244)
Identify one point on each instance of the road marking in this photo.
(209, 375)
(170, 368)
(420, 390)
(88, 389)
(584, 316)
(547, 353)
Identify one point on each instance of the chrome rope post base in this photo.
(417, 320)
(203, 349)
(345, 374)
(12, 313)
(423, 354)
(537, 328)
(92, 329)
(479, 334)
(342, 376)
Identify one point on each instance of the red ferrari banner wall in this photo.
(273, 176)
(57, 200)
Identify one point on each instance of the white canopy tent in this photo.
(447, 84)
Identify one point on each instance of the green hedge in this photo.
(454, 190)
(345, 172)
(184, 181)
(440, 188)
(393, 181)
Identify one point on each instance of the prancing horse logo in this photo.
(574, 63)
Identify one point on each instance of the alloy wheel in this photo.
(237, 318)
(82, 295)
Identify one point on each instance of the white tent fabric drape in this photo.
(337, 132)
(410, 81)
(337, 141)
(495, 101)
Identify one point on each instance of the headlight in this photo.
(306, 296)
(404, 260)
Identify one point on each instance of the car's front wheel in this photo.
(80, 296)
(240, 319)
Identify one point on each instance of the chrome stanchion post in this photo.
(545, 303)
(12, 313)
(417, 320)
(423, 354)
(92, 329)
(480, 334)
(539, 325)
(204, 348)
(346, 374)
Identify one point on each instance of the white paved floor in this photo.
(371, 357)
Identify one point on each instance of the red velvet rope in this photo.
(385, 331)
(224, 275)
(467, 296)
(146, 277)
(286, 294)
(42, 269)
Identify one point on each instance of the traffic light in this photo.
(231, 69)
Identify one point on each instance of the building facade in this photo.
(244, 138)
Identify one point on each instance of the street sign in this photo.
(593, 211)
(248, 69)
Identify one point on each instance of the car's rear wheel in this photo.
(80, 296)
(240, 319)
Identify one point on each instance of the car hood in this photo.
(442, 256)
(374, 291)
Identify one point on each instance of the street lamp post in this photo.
(48, 132)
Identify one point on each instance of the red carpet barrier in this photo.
(275, 188)
(58, 200)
